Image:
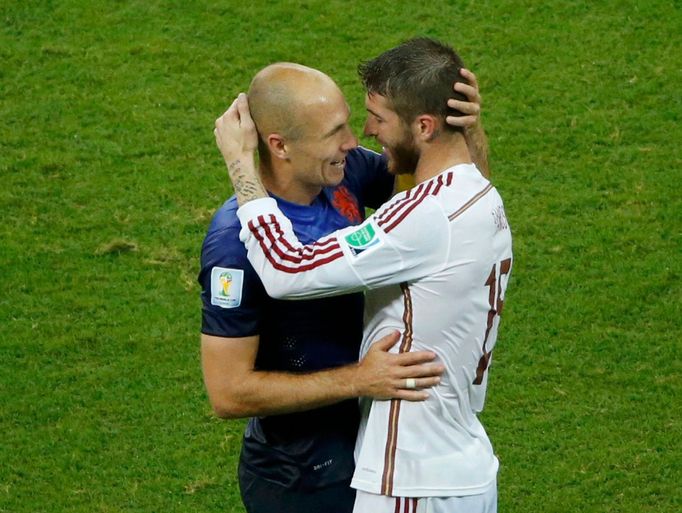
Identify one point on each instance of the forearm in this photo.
(477, 143)
(245, 180)
(236, 137)
(236, 390)
(263, 393)
(339, 262)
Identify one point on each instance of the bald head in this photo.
(283, 97)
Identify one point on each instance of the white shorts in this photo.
(481, 503)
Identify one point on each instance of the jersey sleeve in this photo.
(396, 244)
(231, 292)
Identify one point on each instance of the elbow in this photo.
(229, 409)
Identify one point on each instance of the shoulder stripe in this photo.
(414, 203)
(404, 206)
(301, 259)
(469, 203)
(399, 203)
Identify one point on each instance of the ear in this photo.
(426, 127)
(277, 146)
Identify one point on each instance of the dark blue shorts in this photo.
(264, 496)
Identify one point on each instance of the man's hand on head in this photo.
(471, 108)
(477, 141)
(236, 137)
(235, 131)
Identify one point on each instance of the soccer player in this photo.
(293, 366)
(436, 260)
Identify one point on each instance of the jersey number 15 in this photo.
(495, 291)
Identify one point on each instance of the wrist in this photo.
(245, 157)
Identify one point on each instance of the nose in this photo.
(350, 141)
(370, 129)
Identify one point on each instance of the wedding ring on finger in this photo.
(410, 383)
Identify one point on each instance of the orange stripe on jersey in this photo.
(394, 414)
(473, 200)
(391, 446)
(406, 344)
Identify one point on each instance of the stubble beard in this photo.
(404, 156)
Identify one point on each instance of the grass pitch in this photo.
(110, 176)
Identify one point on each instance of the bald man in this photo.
(292, 367)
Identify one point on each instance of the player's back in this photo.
(438, 447)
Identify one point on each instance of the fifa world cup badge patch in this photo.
(363, 239)
(226, 287)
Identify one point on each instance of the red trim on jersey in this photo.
(439, 183)
(406, 205)
(410, 207)
(408, 506)
(394, 415)
(399, 203)
(312, 255)
(292, 254)
(308, 251)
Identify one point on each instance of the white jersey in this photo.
(437, 258)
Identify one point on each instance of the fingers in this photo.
(231, 112)
(469, 76)
(470, 92)
(414, 357)
(412, 395)
(244, 113)
(427, 382)
(464, 107)
(418, 393)
(464, 121)
(418, 383)
(387, 342)
(470, 109)
(421, 371)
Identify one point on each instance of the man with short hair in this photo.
(292, 366)
(435, 261)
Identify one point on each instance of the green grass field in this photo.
(110, 176)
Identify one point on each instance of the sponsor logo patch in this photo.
(362, 239)
(226, 287)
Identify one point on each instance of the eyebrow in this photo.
(374, 113)
(334, 130)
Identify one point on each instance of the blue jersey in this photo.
(313, 448)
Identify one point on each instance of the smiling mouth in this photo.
(338, 163)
